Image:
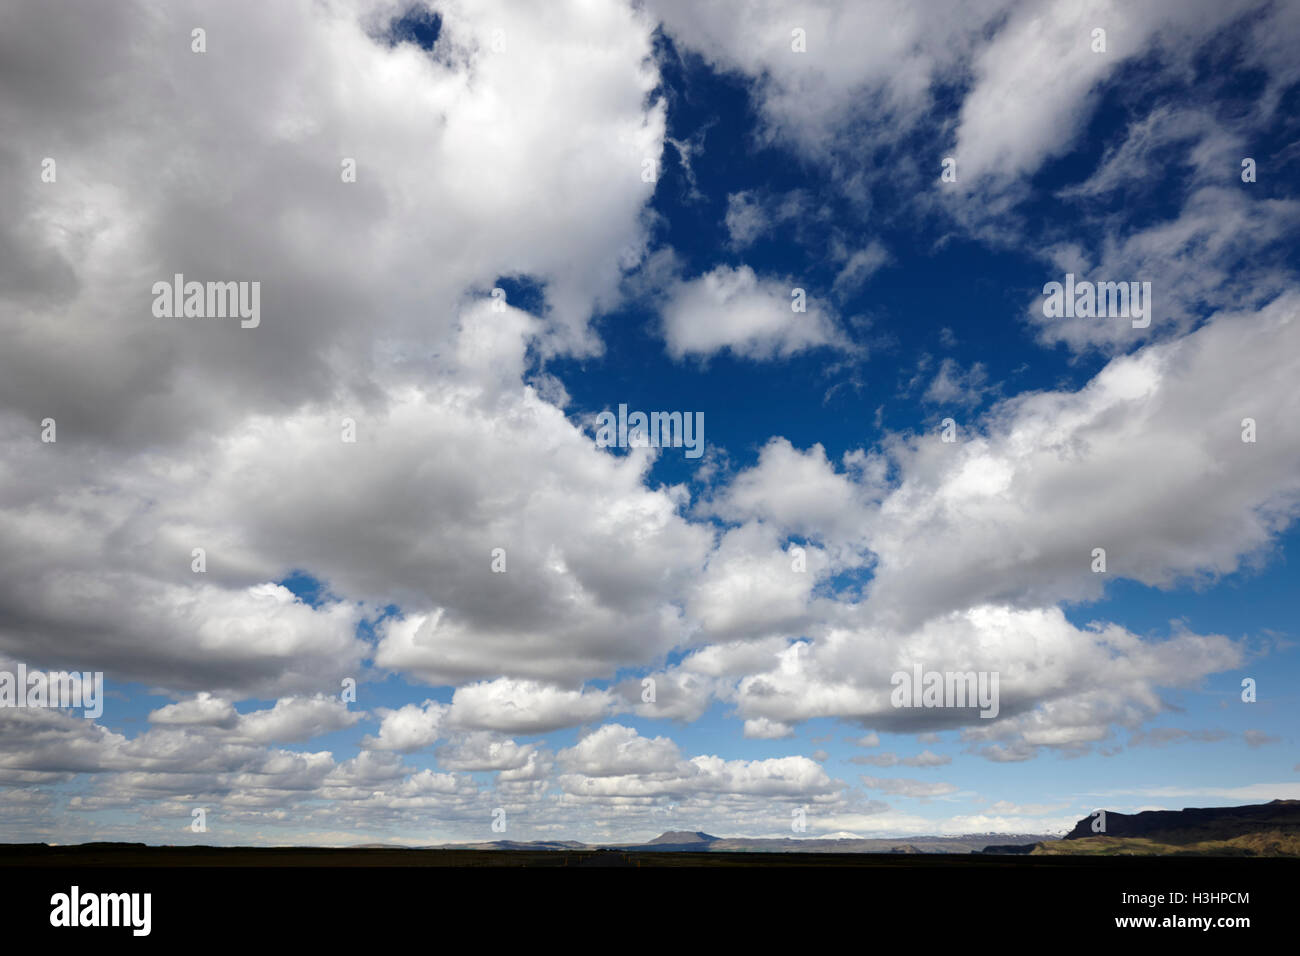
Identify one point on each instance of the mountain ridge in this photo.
(1260, 829)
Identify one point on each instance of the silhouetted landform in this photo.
(71, 863)
(687, 841)
(683, 838)
(1262, 829)
(547, 845)
(684, 848)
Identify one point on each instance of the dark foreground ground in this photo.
(326, 896)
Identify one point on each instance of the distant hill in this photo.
(513, 845)
(695, 841)
(1196, 823)
(683, 838)
(1263, 829)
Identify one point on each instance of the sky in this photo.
(359, 565)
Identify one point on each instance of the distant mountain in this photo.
(1195, 822)
(683, 838)
(695, 841)
(1263, 829)
(513, 845)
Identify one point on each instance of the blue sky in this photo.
(497, 148)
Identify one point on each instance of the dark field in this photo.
(242, 893)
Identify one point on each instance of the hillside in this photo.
(1265, 829)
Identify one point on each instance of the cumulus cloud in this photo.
(615, 761)
(763, 729)
(525, 707)
(294, 719)
(753, 587)
(408, 728)
(1057, 683)
(752, 317)
(797, 492)
(467, 173)
(209, 420)
(863, 58)
(487, 751)
(1146, 461)
(613, 750)
(203, 709)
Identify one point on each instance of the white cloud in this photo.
(679, 695)
(862, 264)
(486, 751)
(1056, 683)
(874, 59)
(952, 386)
(763, 729)
(525, 707)
(751, 586)
(746, 218)
(1213, 255)
(203, 709)
(1145, 461)
(615, 750)
(619, 764)
(409, 728)
(797, 492)
(294, 719)
(733, 309)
